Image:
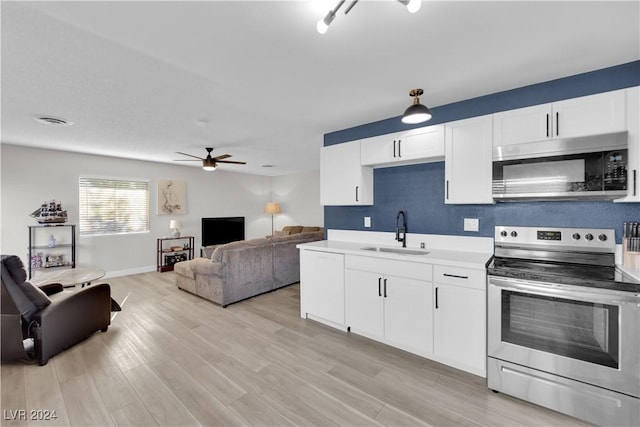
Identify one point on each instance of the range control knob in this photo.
(588, 236)
(503, 233)
(576, 236)
(514, 234)
(602, 237)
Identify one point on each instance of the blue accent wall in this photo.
(419, 189)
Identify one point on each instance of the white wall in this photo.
(299, 198)
(30, 177)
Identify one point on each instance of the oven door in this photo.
(586, 334)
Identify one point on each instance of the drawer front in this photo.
(460, 276)
(410, 270)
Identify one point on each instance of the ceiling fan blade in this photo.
(187, 160)
(190, 155)
(231, 161)
(222, 156)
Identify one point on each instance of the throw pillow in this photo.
(280, 233)
(309, 229)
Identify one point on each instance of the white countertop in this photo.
(457, 258)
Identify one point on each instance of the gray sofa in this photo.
(243, 269)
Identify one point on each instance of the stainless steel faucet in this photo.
(401, 232)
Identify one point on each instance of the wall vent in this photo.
(50, 120)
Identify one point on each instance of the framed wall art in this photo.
(172, 197)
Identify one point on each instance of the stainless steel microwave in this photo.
(578, 168)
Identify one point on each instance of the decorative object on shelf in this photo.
(54, 260)
(50, 213)
(323, 23)
(174, 225)
(272, 208)
(36, 260)
(172, 197)
(52, 241)
(416, 113)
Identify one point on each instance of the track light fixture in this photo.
(416, 113)
(323, 23)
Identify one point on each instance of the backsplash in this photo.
(419, 189)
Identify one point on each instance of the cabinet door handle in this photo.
(547, 125)
(379, 286)
(557, 124)
(634, 182)
(447, 190)
(357, 194)
(385, 287)
(455, 276)
(394, 148)
(437, 298)
(399, 148)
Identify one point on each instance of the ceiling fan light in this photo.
(208, 164)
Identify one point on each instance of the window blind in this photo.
(113, 206)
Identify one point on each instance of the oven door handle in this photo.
(586, 294)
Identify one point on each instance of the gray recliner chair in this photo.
(40, 322)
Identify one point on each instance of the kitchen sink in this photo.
(401, 251)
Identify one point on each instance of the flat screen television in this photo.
(216, 231)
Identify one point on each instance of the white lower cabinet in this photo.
(322, 286)
(435, 311)
(459, 325)
(383, 305)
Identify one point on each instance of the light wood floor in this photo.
(173, 359)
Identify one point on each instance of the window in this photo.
(113, 206)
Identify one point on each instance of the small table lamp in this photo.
(272, 208)
(174, 225)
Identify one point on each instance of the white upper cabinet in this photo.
(343, 182)
(419, 145)
(576, 117)
(467, 166)
(633, 127)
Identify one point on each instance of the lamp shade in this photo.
(416, 113)
(272, 208)
(175, 224)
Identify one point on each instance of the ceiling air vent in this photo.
(56, 121)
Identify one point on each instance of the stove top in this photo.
(563, 273)
(569, 256)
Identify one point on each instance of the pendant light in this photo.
(416, 113)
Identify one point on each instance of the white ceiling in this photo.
(144, 79)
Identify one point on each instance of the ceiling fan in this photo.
(209, 163)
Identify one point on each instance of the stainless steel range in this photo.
(564, 323)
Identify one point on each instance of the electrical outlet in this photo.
(471, 224)
(367, 221)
